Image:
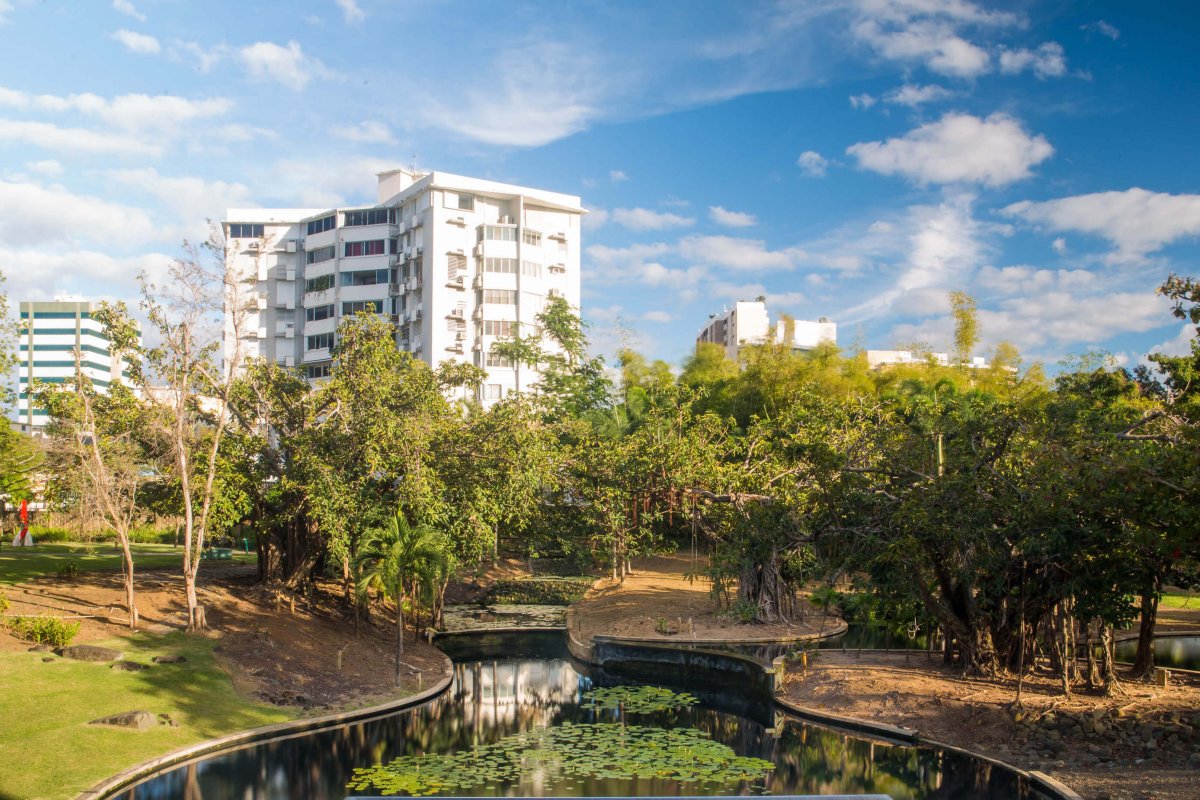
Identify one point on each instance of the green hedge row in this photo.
(538, 591)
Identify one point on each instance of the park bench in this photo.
(217, 553)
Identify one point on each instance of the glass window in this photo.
(505, 297)
(321, 341)
(317, 313)
(245, 231)
(320, 254)
(323, 224)
(497, 360)
(319, 284)
(365, 277)
(500, 233)
(317, 371)
(531, 269)
(504, 265)
(376, 247)
(466, 202)
(498, 327)
(531, 237)
(369, 306)
(491, 391)
(371, 216)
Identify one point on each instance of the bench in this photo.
(217, 554)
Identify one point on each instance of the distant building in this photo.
(878, 359)
(50, 335)
(748, 323)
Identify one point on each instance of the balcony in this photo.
(395, 289)
(457, 282)
(459, 221)
(457, 313)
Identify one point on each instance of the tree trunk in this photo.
(127, 559)
(196, 620)
(1143, 663)
(399, 635)
(1108, 669)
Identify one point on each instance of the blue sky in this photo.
(854, 160)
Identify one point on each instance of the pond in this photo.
(531, 723)
(1172, 652)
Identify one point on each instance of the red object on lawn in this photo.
(24, 520)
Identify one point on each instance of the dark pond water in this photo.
(1172, 652)
(527, 706)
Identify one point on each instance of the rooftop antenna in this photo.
(412, 168)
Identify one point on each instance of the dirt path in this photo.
(273, 654)
(658, 595)
(1131, 755)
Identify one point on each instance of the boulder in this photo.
(41, 648)
(89, 652)
(128, 666)
(169, 659)
(135, 720)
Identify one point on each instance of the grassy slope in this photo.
(48, 751)
(19, 564)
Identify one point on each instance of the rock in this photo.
(49, 659)
(165, 719)
(128, 666)
(89, 652)
(169, 659)
(136, 720)
(1089, 725)
(41, 648)
(1100, 728)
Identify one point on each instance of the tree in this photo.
(966, 326)
(390, 559)
(19, 455)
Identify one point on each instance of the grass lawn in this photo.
(1179, 600)
(47, 750)
(19, 564)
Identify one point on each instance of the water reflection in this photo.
(496, 697)
(1172, 652)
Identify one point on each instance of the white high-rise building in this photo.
(50, 335)
(748, 323)
(456, 263)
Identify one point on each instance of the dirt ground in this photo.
(657, 590)
(283, 656)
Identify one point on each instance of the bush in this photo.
(148, 534)
(3, 602)
(48, 535)
(44, 630)
(742, 611)
(538, 591)
(68, 570)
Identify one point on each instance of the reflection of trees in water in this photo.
(493, 699)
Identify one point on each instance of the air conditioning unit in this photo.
(290, 332)
(506, 220)
(457, 282)
(418, 250)
(252, 245)
(289, 274)
(478, 251)
(459, 221)
(393, 259)
(290, 246)
(456, 252)
(477, 314)
(393, 290)
(456, 313)
(261, 303)
(460, 335)
(289, 361)
(478, 282)
(477, 347)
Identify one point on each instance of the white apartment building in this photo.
(748, 323)
(456, 263)
(878, 359)
(50, 334)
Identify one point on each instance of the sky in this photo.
(853, 160)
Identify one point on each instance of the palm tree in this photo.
(391, 557)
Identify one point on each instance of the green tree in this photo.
(966, 326)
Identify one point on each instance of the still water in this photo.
(526, 689)
(1172, 652)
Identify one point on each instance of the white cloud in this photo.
(192, 200)
(731, 219)
(37, 215)
(776, 301)
(595, 218)
(45, 274)
(643, 219)
(863, 101)
(738, 254)
(958, 148)
(320, 184)
(1138, 222)
(1103, 28)
(657, 316)
(351, 12)
(1069, 318)
(617, 176)
(912, 95)
(126, 7)
(5, 8)
(138, 42)
(288, 66)
(131, 112)
(369, 132)
(1034, 280)
(1178, 345)
(1048, 61)
(1060, 246)
(49, 167)
(73, 141)
(205, 57)
(813, 163)
(929, 33)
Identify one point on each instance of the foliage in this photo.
(67, 570)
(44, 630)
(638, 699)
(3, 602)
(537, 591)
(602, 750)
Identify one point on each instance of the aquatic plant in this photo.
(638, 699)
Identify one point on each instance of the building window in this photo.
(245, 231)
(318, 313)
(322, 341)
(498, 233)
(456, 266)
(507, 266)
(323, 224)
(531, 237)
(317, 371)
(320, 254)
(497, 360)
(366, 277)
(376, 247)
(504, 297)
(491, 391)
(372, 216)
(369, 306)
(498, 327)
(531, 269)
(319, 283)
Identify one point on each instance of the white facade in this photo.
(50, 335)
(455, 263)
(748, 323)
(877, 359)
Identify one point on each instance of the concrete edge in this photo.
(485, 631)
(256, 735)
(836, 630)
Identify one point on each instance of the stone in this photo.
(1100, 729)
(165, 719)
(135, 720)
(1089, 725)
(49, 659)
(90, 652)
(169, 659)
(128, 666)
(41, 648)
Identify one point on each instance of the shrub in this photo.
(538, 591)
(742, 611)
(68, 570)
(44, 630)
(48, 535)
(147, 534)
(3, 602)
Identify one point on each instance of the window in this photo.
(504, 265)
(531, 237)
(499, 327)
(456, 266)
(376, 247)
(498, 233)
(317, 313)
(369, 306)
(319, 283)
(491, 391)
(497, 360)
(460, 200)
(531, 269)
(372, 216)
(320, 254)
(245, 231)
(323, 224)
(506, 297)
(366, 277)
(317, 371)
(532, 303)
(322, 341)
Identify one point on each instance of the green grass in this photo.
(47, 750)
(19, 564)
(1179, 600)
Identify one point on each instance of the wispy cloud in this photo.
(351, 12)
(287, 66)
(127, 8)
(138, 42)
(1047, 61)
(813, 164)
(731, 219)
(643, 219)
(370, 132)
